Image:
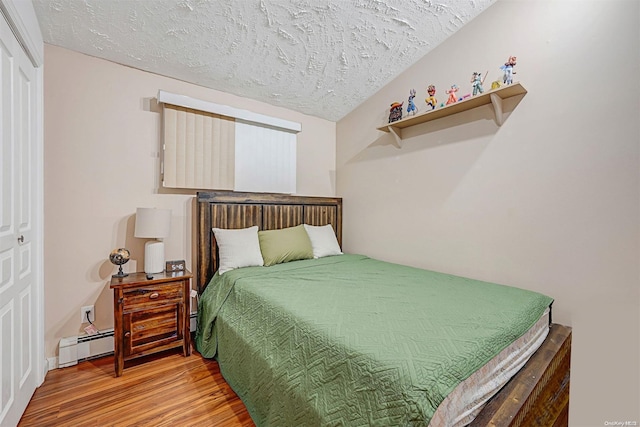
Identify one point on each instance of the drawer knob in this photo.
(127, 334)
(153, 295)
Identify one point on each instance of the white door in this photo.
(18, 292)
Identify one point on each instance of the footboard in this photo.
(539, 394)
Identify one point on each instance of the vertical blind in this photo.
(205, 150)
(198, 149)
(265, 159)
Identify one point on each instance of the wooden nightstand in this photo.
(150, 315)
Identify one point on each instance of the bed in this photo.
(316, 365)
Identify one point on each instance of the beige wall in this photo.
(102, 148)
(550, 201)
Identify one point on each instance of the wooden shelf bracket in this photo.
(397, 135)
(497, 107)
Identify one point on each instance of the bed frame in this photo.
(538, 395)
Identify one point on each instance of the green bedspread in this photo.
(349, 340)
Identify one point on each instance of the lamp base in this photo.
(154, 257)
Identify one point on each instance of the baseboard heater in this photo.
(87, 347)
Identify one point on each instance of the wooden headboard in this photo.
(224, 209)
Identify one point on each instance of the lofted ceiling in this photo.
(318, 57)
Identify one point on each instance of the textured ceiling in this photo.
(318, 57)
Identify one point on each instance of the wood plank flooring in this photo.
(170, 390)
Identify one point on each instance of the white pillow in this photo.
(323, 240)
(238, 248)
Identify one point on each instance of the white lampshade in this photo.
(154, 224)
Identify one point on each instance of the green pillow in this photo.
(287, 244)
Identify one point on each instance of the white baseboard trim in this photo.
(193, 319)
(51, 363)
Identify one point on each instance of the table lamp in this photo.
(152, 223)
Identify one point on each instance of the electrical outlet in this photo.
(83, 314)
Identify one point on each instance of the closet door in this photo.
(18, 289)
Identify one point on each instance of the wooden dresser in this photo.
(150, 315)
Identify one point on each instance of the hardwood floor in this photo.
(166, 390)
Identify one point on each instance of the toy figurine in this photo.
(412, 106)
(508, 70)
(477, 82)
(495, 85)
(431, 100)
(395, 112)
(452, 94)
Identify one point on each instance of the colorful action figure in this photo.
(452, 94)
(395, 112)
(508, 70)
(411, 108)
(477, 82)
(431, 100)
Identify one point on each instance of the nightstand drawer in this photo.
(145, 296)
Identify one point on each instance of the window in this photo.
(211, 146)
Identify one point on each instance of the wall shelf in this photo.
(493, 97)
